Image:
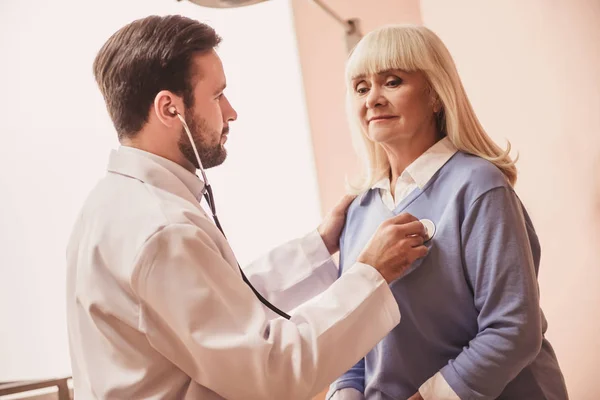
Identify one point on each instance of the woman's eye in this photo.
(361, 88)
(394, 82)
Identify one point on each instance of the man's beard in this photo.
(211, 155)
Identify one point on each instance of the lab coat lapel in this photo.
(151, 173)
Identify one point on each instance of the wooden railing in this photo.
(8, 388)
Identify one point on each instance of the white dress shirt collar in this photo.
(417, 174)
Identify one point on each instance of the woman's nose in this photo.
(375, 98)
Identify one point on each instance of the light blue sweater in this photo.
(470, 308)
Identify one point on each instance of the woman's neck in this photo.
(403, 153)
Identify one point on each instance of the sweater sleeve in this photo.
(499, 265)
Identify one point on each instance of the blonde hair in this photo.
(416, 48)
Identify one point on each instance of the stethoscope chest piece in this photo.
(429, 228)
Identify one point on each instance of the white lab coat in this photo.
(157, 307)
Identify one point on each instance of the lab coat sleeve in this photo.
(199, 314)
(499, 265)
(294, 272)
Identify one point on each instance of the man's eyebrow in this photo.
(221, 88)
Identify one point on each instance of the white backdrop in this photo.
(56, 137)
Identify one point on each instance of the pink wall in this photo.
(322, 56)
(531, 71)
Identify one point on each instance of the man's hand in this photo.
(331, 227)
(395, 245)
(416, 396)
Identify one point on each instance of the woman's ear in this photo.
(437, 105)
(434, 100)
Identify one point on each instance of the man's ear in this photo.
(166, 107)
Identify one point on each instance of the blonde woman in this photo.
(471, 327)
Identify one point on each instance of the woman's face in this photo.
(395, 106)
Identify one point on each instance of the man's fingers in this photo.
(403, 218)
(414, 228)
(416, 241)
(420, 251)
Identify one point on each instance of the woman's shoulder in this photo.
(467, 177)
(472, 170)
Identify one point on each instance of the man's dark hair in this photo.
(145, 57)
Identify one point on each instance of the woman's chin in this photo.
(387, 135)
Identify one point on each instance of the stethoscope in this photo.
(208, 195)
(429, 229)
